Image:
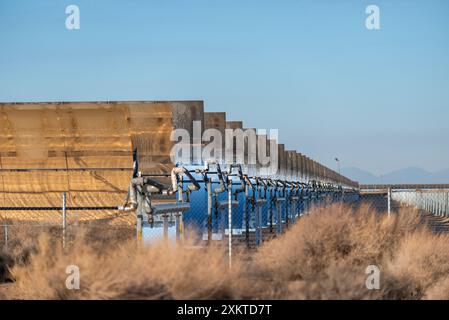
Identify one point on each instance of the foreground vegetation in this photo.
(323, 256)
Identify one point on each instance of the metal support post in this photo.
(230, 222)
(179, 218)
(64, 218)
(389, 201)
(139, 215)
(446, 210)
(6, 236)
(294, 211)
(279, 215)
(259, 224)
(270, 213)
(247, 217)
(209, 211)
(165, 221)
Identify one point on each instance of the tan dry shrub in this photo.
(327, 236)
(438, 291)
(6, 262)
(421, 259)
(337, 282)
(128, 271)
(323, 256)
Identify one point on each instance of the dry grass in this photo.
(323, 256)
(126, 272)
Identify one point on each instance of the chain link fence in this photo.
(254, 218)
(221, 208)
(256, 215)
(238, 209)
(435, 202)
(22, 225)
(431, 201)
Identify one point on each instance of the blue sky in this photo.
(378, 100)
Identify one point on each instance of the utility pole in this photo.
(338, 165)
(339, 169)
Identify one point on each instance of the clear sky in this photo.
(378, 100)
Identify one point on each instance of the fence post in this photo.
(446, 211)
(209, 211)
(259, 224)
(439, 204)
(139, 215)
(389, 201)
(230, 222)
(64, 218)
(165, 223)
(270, 212)
(247, 217)
(294, 211)
(279, 217)
(222, 224)
(6, 236)
(179, 225)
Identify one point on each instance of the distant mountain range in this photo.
(411, 175)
